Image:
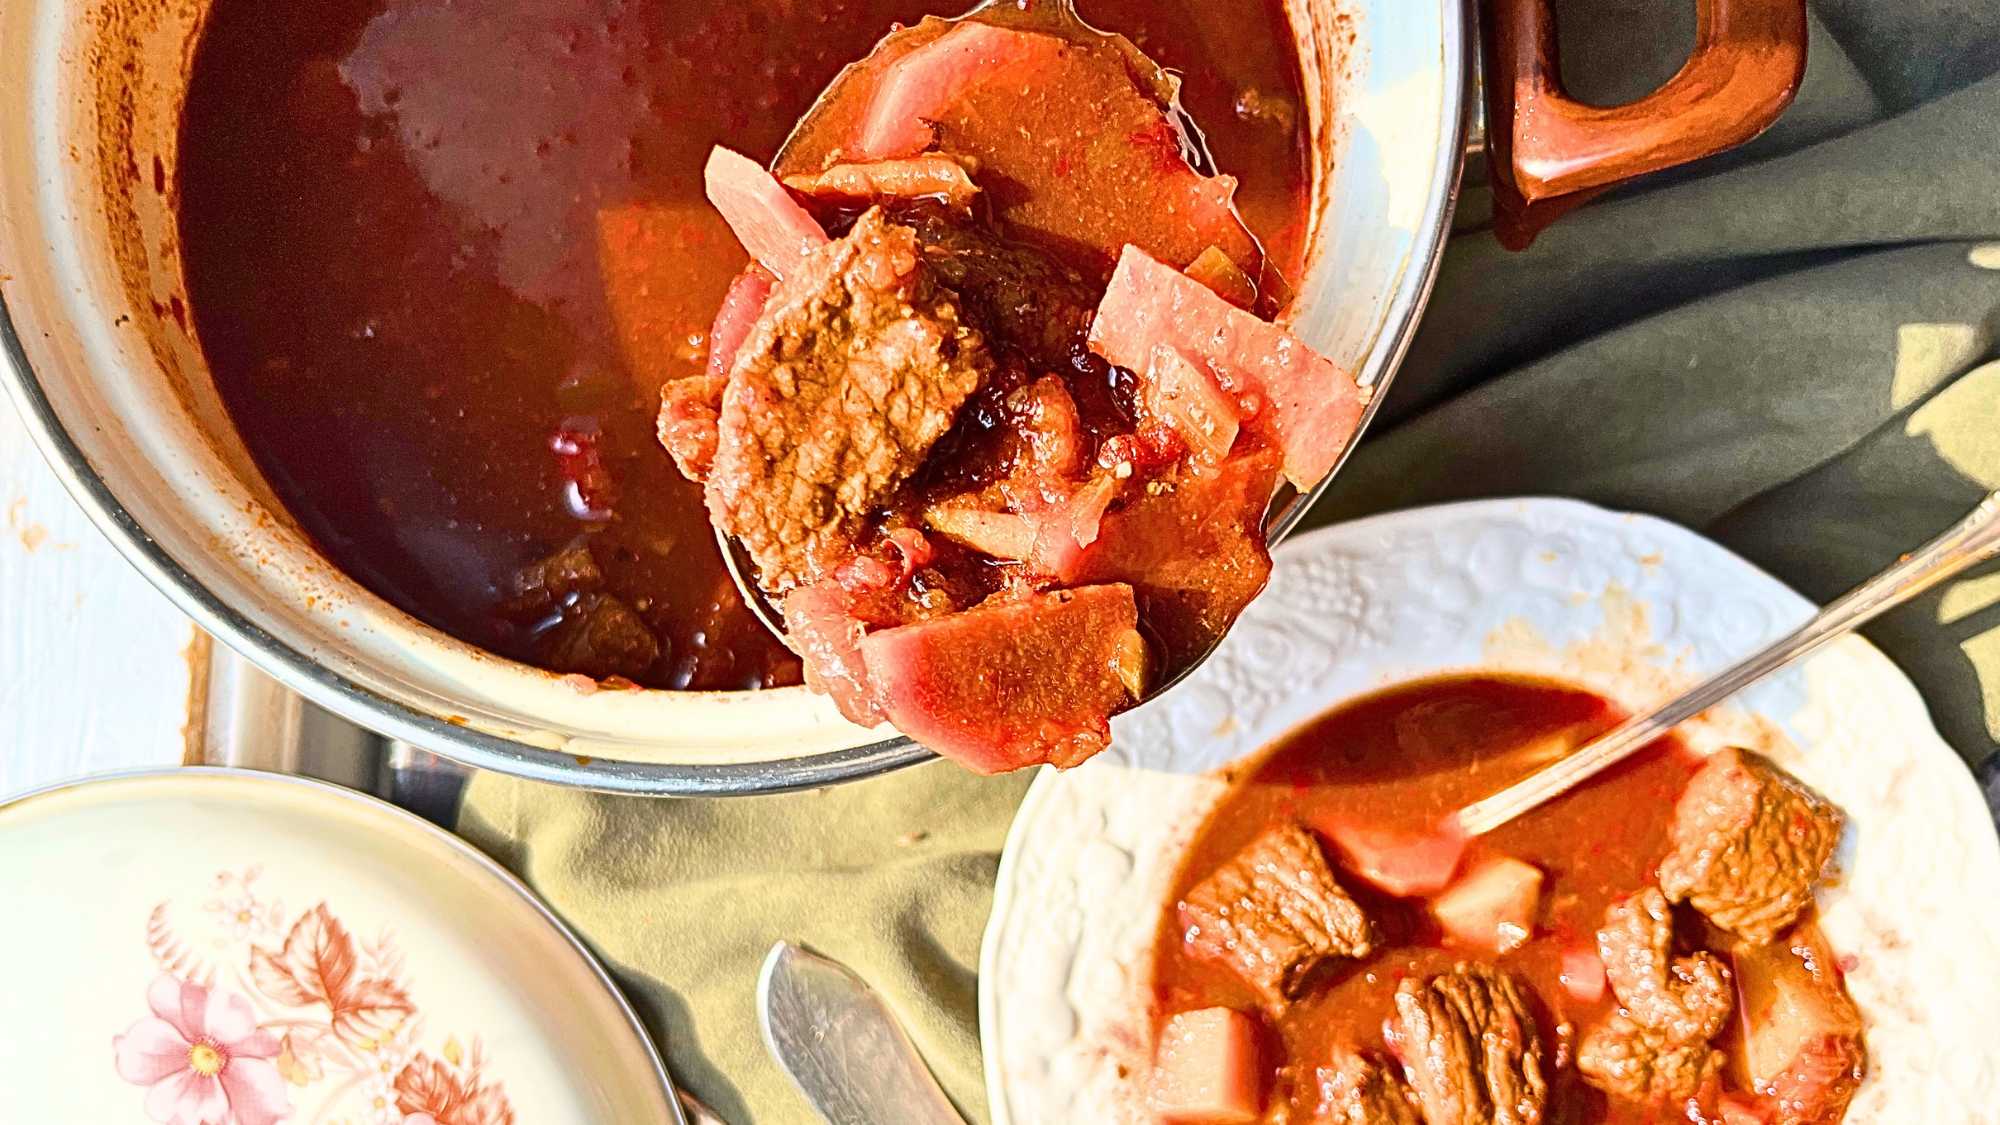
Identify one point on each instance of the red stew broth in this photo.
(441, 256)
(1404, 759)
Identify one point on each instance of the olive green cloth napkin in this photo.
(1791, 348)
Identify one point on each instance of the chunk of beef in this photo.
(1657, 1047)
(1038, 306)
(541, 588)
(1276, 915)
(1017, 448)
(580, 627)
(1303, 401)
(857, 366)
(690, 420)
(933, 176)
(1356, 1090)
(1018, 680)
(1680, 997)
(599, 636)
(1471, 1047)
(1749, 842)
(1631, 1062)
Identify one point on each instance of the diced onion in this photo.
(1002, 535)
(1186, 398)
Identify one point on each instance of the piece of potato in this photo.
(1402, 863)
(1802, 1049)
(1206, 1072)
(1582, 974)
(1492, 907)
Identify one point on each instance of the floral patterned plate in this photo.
(222, 947)
(1628, 606)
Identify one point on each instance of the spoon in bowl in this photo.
(1973, 540)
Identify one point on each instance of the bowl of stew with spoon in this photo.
(348, 322)
(1254, 907)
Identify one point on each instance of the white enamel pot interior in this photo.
(100, 359)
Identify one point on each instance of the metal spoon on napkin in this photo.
(842, 1046)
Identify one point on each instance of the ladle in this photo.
(1288, 506)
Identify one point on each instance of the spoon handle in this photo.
(1973, 540)
(841, 1045)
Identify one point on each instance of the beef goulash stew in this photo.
(982, 373)
(998, 410)
(1642, 949)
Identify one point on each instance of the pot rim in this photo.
(384, 715)
(370, 709)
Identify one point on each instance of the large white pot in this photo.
(104, 367)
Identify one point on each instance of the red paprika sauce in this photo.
(1400, 762)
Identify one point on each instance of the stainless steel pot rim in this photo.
(479, 750)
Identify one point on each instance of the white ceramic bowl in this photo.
(100, 358)
(1630, 607)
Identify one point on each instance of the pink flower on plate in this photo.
(204, 1057)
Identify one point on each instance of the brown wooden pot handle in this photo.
(1548, 149)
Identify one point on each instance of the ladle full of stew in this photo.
(996, 415)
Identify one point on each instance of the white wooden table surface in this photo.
(95, 664)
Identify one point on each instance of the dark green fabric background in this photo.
(1790, 348)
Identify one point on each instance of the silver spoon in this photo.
(840, 1044)
(1973, 540)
